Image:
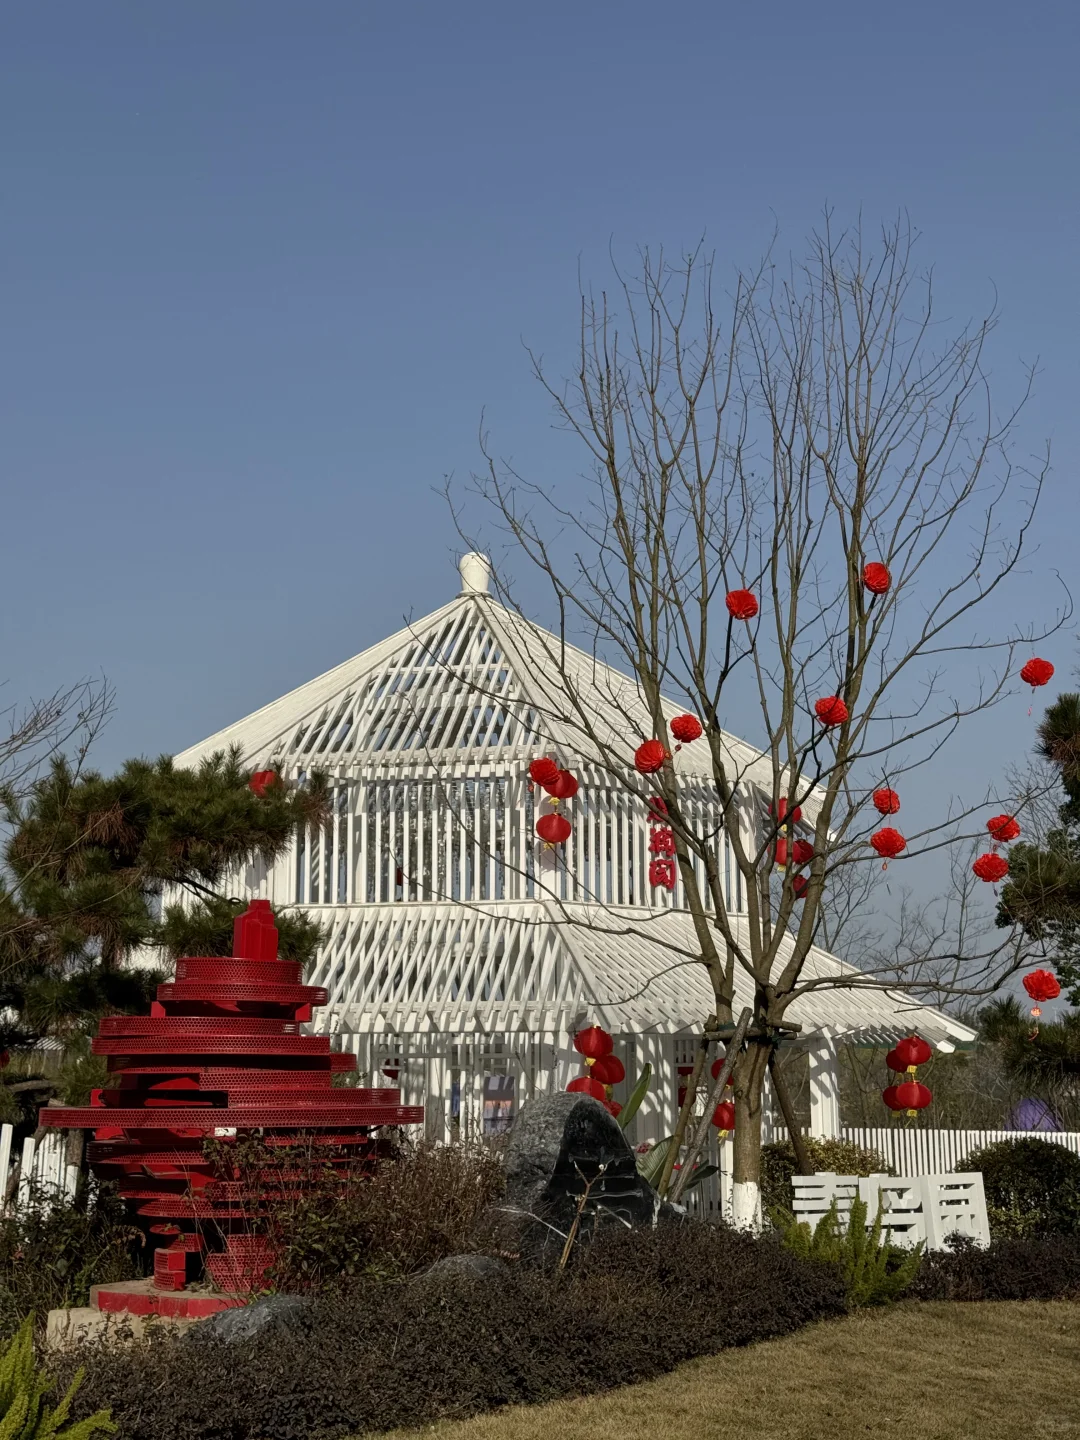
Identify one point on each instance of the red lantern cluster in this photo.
(907, 1055)
(649, 757)
(686, 728)
(741, 604)
(553, 828)
(886, 801)
(780, 810)
(831, 710)
(1037, 672)
(605, 1069)
(261, 781)
(991, 868)
(876, 577)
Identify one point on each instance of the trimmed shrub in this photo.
(840, 1156)
(407, 1352)
(1032, 1187)
(1036, 1268)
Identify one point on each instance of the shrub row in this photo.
(385, 1353)
(1034, 1268)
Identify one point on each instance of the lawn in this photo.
(931, 1371)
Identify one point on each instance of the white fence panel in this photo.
(936, 1152)
(44, 1174)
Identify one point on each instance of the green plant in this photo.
(637, 1095)
(23, 1387)
(874, 1271)
(1032, 1187)
(1045, 1267)
(778, 1166)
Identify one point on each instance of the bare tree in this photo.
(817, 422)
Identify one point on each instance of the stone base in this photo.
(143, 1298)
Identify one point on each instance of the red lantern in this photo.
(1003, 828)
(886, 801)
(686, 728)
(909, 1053)
(544, 772)
(1042, 985)
(802, 852)
(831, 710)
(649, 757)
(1037, 672)
(717, 1066)
(723, 1117)
(261, 781)
(563, 787)
(876, 577)
(800, 885)
(888, 843)
(912, 1097)
(586, 1085)
(991, 868)
(741, 604)
(553, 829)
(613, 1108)
(889, 1096)
(593, 1043)
(609, 1070)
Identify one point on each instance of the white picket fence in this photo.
(45, 1177)
(936, 1152)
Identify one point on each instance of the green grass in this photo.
(1005, 1371)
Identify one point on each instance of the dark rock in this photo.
(272, 1313)
(560, 1146)
(484, 1267)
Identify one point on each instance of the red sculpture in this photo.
(221, 1053)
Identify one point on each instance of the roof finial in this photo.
(475, 572)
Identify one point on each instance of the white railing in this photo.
(936, 1152)
(44, 1174)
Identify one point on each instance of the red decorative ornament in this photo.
(876, 577)
(831, 710)
(553, 829)
(889, 1096)
(991, 867)
(657, 807)
(802, 852)
(662, 874)
(723, 1117)
(888, 843)
(563, 787)
(586, 1085)
(909, 1053)
(686, 728)
(1037, 672)
(800, 885)
(662, 840)
(261, 781)
(1042, 985)
(886, 801)
(609, 1070)
(613, 1108)
(1003, 828)
(741, 604)
(912, 1097)
(593, 1042)
(715, 1068)
(544, 771)
(649, 757)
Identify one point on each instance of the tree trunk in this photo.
(803, 1163)
(746, 1186)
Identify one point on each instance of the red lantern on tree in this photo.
(888, 843)
(741, 604)
(593, 1042)
(909, 1054)
(912, 1097)
(563, 787)
(800, 885)
(261, 781)
(1003, 828)
(1042, 985)
(544, 771)
(886, 801)
(609, 1070)
(686, 728)
(649, 757)
(1037, 672)
(723, 1117)
(553, 829)
(715, 1068)
(991, 867)
(586, 1085)
(802, 852)
(831, 710)
(876, 577)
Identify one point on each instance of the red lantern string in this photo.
(553, 829)
(888, 843)
(831, 710)
(649, 757)
(909, 1054)
(741, 604)
(780, 810)
(802, 852)
(886, 801)
(609, 1070)
(991, 867)
(563, 787)
(912, 1097)
(544, 771)
(586, 1085)
(1040, 985)
(876, 577)
(593, 1042)
(1003, 828)
(723, 1117)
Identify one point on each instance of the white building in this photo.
(462, 951)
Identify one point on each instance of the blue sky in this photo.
(263, 265)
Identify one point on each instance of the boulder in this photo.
(561, 1148)
(274, 1313)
